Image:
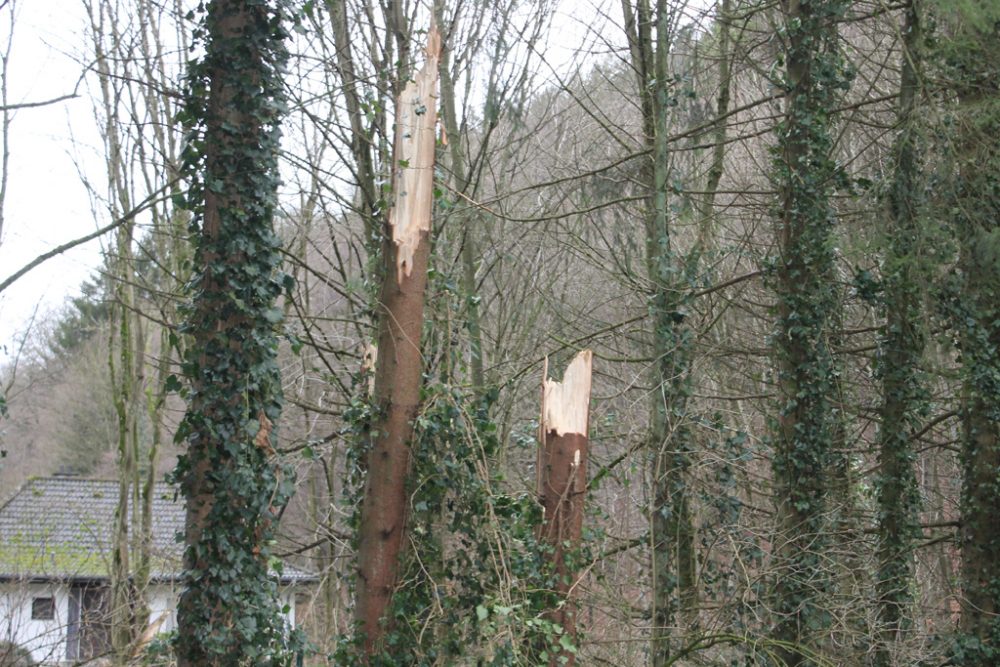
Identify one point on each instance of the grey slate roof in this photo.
(62, 528)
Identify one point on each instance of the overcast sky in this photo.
(46, 202)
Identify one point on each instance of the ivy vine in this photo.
(970, 63)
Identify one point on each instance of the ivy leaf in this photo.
(172, 384)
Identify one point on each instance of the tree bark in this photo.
(468, 217)
(715, 170)
(400, 364)
(673, 559)
(361, 141)
(564, 452)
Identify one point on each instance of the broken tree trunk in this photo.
(563, 482)
(399, 366)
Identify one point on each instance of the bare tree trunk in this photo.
(6, 116)
(564, 451)
(459, 170)
(715, 170)
(400, 364)
(364, 165)
(126, 342)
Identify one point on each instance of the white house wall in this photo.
(163, 603)
(45, 639)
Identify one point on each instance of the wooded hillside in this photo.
(353, 249)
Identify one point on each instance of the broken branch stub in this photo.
(368, 360)
(413, 171)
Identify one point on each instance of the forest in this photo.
(545, 332)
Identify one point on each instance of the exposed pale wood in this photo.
(566, 404)
(416, 123)
(148, 635)
(368, 361)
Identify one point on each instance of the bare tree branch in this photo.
(149, 201)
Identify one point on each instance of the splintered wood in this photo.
(413, 172)
(566, 404)
(563, 480)
(263, 438)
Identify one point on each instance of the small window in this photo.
(43, 609)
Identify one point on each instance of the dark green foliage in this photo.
(446, 574)
(229, 612)
(977, 319)
(87, 314)
(474, 585)
(90, 312)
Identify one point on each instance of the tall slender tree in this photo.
(972, 58)
(127, 340)
(904, 392)
(805, 174)
(673, 559)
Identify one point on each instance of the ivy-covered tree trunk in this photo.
(902, 346)
(804, 430)
(235, 489)
(974, 61)
(673, 558)
(400, 364)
